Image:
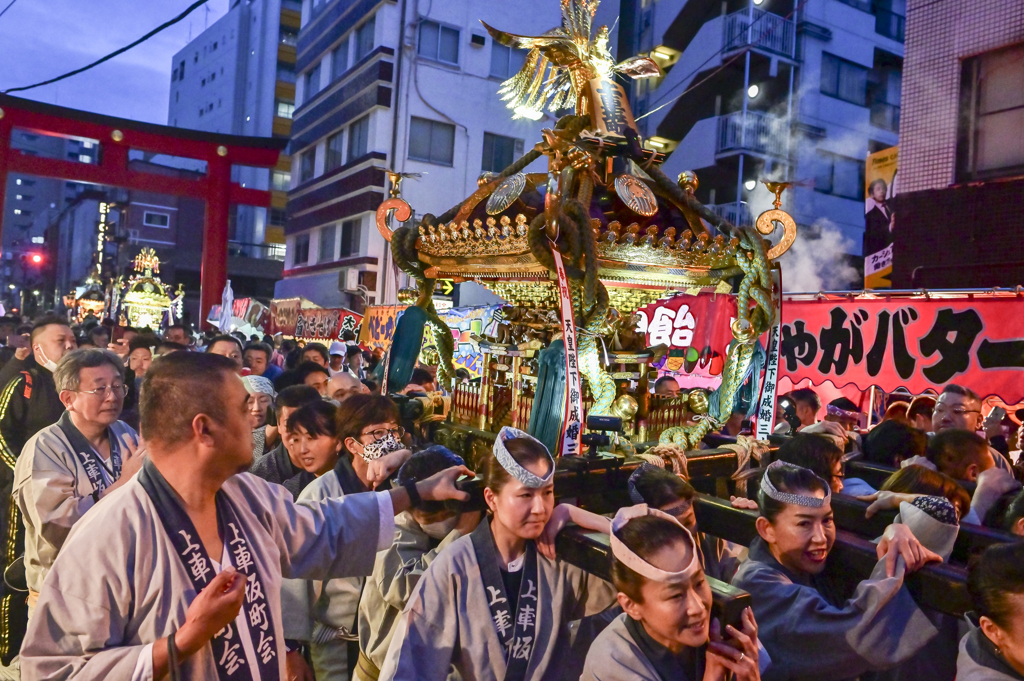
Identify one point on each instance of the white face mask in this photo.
(47, 363)
(441, 529)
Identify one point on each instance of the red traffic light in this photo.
(36, 258)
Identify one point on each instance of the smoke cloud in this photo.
(817, 260)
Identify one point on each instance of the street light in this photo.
(749, 185)
(753, 91)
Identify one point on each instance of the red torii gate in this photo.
(116, 136)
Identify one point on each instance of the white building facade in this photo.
(394, 85)
(238, 78)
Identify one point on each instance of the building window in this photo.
(431, 141)
(289, 35)
(991, 115)
(327, 244)
(280, 180)
(505, 61)
(500, 151)
(364, 39)
(358, 138)
(339, 60)
(437, 42)
(843, 79)
(284, 109)
(307, 163)
(301, 250)
(334, 151)
(839, 175)
(278, 217)
(313, 82)
(285, 72)
(156, 219)
(350, 237)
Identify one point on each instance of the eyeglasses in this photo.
(381, 433)
(104, 390)
(959, 411)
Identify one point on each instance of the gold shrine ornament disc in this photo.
(505, 194)
(636, 195)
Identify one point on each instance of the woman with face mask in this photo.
(491, 605)
(420, 535)
(666, 631)
(332, 443)
(809, 630)
(993, 649)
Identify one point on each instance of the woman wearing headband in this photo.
(666, 630)
(809, 630)
(491, 605)
(666, 491)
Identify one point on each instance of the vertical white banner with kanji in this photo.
(572, 418)
(769, 386)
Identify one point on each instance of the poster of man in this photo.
(880, 188)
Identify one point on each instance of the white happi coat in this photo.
(118, 584)
(448, 622)
(318, 609)
(53, 491)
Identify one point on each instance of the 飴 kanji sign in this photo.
(684, 321)
(915, 343)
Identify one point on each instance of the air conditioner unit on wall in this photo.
(348, 279)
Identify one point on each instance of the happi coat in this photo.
(813, 635)
(616, 656)
(447, 621)
(316, 610)
(396, 572)
(979, 661)
(53, 490)
(118, 584)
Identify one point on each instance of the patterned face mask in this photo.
(387, 444)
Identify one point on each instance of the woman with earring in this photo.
(808, 628)
(993, 649)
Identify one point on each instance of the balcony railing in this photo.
(890, 24)
(258, 251)
(769, 31)
(736, 213)
(757, 132)
(885, 116)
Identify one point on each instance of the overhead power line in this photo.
(9, 5)
(191, 8)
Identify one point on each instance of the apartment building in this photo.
(961, 165)
(400, 85)
(771, 89)
(238, 77)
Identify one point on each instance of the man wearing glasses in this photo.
(959, 408)
(66, 468)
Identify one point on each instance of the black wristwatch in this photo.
(415, 500)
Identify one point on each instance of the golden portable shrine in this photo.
(575, 252)
(144, 300)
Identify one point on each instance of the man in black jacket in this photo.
(29, 402)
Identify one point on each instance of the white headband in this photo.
(796, 499)
(638, 564)
(512, 466)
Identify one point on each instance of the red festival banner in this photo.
(915, 343)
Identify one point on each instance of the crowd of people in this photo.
(214, 506)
